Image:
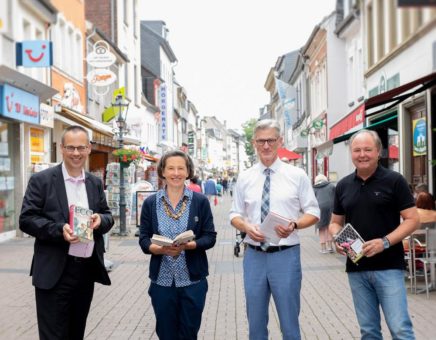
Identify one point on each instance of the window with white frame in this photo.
(67, 47)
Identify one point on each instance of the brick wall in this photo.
(99, 13)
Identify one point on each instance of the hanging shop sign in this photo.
(101, 77)
(34, 53)
(110, 112)
(18, 104)
(163, 111)
(46, 115)
(318, 124)
(419, 127)
(101, 56)
(304, 133)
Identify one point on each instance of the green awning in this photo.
(374, 126)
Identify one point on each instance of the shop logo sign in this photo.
(34, 53)
(101, 77)
(18, 104)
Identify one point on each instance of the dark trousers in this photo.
(178, 310)
(62, 310)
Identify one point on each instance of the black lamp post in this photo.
(122, 106)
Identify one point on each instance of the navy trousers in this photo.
(178, 310)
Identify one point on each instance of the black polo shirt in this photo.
(373, 208)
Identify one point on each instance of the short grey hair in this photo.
(373, 134)
(267, 124)
(74, 128)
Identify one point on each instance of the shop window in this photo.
(8, 150)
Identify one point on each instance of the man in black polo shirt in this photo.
(373, 200)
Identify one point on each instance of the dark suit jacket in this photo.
(200, 221)
(43, 215)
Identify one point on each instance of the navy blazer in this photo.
(200, 222)
(43, 214)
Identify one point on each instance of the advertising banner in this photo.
(163, 112)
(419, 132)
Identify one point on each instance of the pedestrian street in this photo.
(123, 310)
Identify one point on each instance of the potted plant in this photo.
(127, 156)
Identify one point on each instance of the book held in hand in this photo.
(80, 223)
(349, 239)
(180, 239)
(269, 224)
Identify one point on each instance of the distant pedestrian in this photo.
(272, 269)
(210, 188)
(178, 273)
(193, 185)
(225, 184)
(219, 188)
(377, 202)
(325, 194)
(232, 186)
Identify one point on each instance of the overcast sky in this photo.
(225, 48)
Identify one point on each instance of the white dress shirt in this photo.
(76, 189)
(291, 195)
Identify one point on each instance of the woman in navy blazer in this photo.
(178, 273)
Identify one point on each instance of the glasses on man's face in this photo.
(80, 148)
(261, 142)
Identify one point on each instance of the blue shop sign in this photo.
(19, 104)
(35, 53)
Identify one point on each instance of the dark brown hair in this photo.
(175, 153)
(424, 200)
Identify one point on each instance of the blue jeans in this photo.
(278, 274)
(385, 288)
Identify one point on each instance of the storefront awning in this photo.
(374, 126)
(26, 83)
(84, 120)
(396, 96)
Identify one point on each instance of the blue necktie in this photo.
(265, 201)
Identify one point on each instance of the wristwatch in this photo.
(386, 243)
(295, 225)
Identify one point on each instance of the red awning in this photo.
(348, 122)
(285, 153)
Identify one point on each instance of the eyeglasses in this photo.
(261, 142)
(80, 148)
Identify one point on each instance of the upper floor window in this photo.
(68, 49)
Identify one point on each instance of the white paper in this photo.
(271, 221)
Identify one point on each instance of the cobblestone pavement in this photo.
(123, 310)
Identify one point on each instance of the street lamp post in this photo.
(121, 124)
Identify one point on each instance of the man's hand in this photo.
(340, 250)
(68, 234)
(95, 221)
(372, 247)
(285, 231)
(254, 233)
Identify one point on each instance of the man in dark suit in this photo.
(64, 284)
